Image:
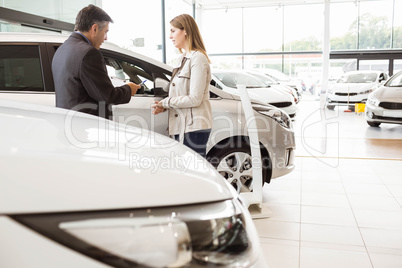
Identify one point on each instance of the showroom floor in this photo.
(342, 205)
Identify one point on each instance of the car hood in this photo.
(352, 87)
(390, 94)
(59, 160)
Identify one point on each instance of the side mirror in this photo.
(161, 83)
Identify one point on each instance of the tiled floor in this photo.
(342, 205)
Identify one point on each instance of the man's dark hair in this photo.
(90, 15)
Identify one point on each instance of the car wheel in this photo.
(235, 165)
(330, 107)
(373, 124)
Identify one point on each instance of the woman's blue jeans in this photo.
(196, 140)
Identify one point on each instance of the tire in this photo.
(234, 163)
(331, 107)
(373, 124)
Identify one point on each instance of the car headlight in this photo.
(366, 91)
(220, 234)
(373, 100)
(279, 116)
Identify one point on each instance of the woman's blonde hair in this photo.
(194, 40)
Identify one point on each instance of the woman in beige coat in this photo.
(190, 117)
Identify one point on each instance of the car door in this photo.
(23, 75)
(124, 68)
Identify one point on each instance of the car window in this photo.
(278, 76)
(20, 68)
(360, 78)
(131, 69)
(213, 82)
(234, 79)
(395, 81)
(121, 72)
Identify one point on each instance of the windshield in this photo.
(395, 81)
(278, 76)
(358, 78)
(238, 78)
(265, 79)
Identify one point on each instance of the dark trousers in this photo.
(196, 140)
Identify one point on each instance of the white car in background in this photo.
(354, 87)
(26, 76)
(283, 79)
(256, 89)
(77, 190)
(270, 82)
(385, 104)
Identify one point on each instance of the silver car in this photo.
(25, 61)
(385, 104)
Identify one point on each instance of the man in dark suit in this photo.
(79, 70)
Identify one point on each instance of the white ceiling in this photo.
(213, 4)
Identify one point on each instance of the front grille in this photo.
(346, 94)
(391, 105)
(399, 119)
(281, 104)
(345, 102)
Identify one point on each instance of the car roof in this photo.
(363, 72)
(60, 38)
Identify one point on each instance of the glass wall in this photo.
(283, 37)
(138, 26)
(375, 24)
(63, 10)
(262, 33)
(223, 30)
(397, 66)
(343, 26)
(364, 25)
(303, 27)
(381, 65)
(397, 26)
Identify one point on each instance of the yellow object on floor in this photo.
(359, 107)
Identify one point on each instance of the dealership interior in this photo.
(341, 206)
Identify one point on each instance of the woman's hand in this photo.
(158, 108)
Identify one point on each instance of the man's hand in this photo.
(134, 88)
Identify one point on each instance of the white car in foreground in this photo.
(354, 87)
(256, 89)
(385, 104)
(80, 191)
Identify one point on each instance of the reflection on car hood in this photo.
(351, 87)
(58, 160)
(390, 94)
